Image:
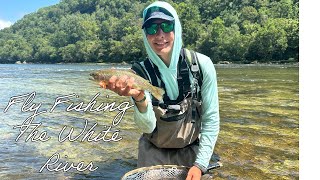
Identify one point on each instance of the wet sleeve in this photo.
(145, 121)
(210, 120)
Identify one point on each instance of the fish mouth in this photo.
(94, 76)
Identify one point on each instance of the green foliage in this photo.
(249, 13)
(209, 42)
(233, 45)
(44, 52)
(191, 22)
(14, 48)
(75, 31)
(270, 42)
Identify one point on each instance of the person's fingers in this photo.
(123, 86)
(128, 86)
(130, 82)
(189, 177)
(120, 85)
(123, 81)
(194, 173)
(103, 84)
(111, 83)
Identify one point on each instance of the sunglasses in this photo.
(154, 27)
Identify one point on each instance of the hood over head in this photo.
(168, 74)
(156, 12)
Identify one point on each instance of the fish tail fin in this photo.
(158, 93)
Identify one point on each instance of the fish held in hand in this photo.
(139, 82)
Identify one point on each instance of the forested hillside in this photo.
(74, 31)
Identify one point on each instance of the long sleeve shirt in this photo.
(210, 112)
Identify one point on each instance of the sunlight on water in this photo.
(259, 134)
(259, 112)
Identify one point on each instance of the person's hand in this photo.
(122, 85)
(194, 173)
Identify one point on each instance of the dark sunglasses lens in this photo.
(167, 27)
(152, 29)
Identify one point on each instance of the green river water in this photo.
(259, 128)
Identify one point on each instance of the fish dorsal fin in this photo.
(132, 71)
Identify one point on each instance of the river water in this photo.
(259, 136)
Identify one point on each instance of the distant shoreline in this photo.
(91, 63)
(218, 63)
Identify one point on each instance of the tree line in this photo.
(77, 31)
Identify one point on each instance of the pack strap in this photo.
(137, 67)
(183, 76)
(194, 67)
(197, 76)
(193, 61)
(154, 74)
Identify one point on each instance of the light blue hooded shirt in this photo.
(210, 106)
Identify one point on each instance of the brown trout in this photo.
(139, 82)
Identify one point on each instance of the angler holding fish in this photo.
(129, 83)
(180, 126)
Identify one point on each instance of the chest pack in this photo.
(188, 62)
(178, 121)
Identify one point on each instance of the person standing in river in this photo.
(183, 128)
